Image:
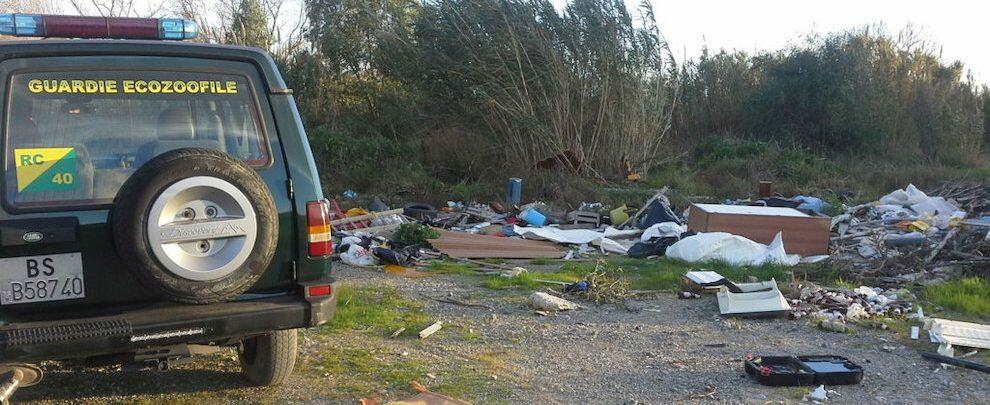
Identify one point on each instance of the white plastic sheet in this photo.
(907, 197)
(733, 249)
(579, 236)
(663, 230)
(940, 210)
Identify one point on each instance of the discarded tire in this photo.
(418, 211)
(195, 225)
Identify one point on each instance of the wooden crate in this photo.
(803, 234)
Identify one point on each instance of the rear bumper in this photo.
(161, 325)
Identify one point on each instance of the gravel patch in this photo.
(657, 350)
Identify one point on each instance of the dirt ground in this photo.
(658, 350)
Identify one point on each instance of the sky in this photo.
(959, 27)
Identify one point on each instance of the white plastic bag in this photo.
(733, 249)
(357, 255)
(907, 197)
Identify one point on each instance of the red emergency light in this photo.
(63, 26)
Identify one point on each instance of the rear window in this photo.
(73, 138)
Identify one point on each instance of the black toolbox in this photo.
(803, 370)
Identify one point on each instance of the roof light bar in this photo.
(37, 25)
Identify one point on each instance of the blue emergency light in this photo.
(38, 25)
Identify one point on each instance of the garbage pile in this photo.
(861, 303)
(914, 236)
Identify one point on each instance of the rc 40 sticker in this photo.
(45, 169)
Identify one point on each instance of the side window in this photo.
(73, 138)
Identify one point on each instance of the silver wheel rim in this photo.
(202, 228)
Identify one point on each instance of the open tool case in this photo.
(803, 370)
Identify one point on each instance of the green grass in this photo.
(361, 372)
(530, 280)
(449, 267)
(380, 310)
(968, 296)
(665, 274)
(354, 372)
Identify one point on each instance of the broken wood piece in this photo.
(938, 248)
(464, 245)
(364, 217)
(423, 334)
(397, 333)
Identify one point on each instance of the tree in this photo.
(249, 26)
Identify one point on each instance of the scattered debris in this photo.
(762, 299)
(955, 361)
(803, 370)
(542, 301)
(836, 304)
(817, 394)
(423, 334)
(948, 333)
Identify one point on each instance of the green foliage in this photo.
(411, 234)
(446, 98)
(249, 25)
(716, 149)
(373, 164)
(968, 296)
(861, 92)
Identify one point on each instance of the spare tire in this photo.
(195, 225)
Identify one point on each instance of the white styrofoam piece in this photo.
(767, 301)
(959, 333)
(704, 277)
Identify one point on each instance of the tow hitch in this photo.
(14, 376)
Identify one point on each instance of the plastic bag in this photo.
(733, 249)
(909, 196)
(357, 255)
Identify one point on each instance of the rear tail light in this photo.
(318, 290)
(37, 25)
(318, 221)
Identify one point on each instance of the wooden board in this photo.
(803, 234)
(470, 246)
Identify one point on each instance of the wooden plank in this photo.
(364, 217)
(471, 246)
(423, 334)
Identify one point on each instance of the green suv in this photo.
(159, 198)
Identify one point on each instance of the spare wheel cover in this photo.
(202, 228)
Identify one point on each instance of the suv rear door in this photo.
(75, 128)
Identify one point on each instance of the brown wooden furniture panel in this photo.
(802, 234)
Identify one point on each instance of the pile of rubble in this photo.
(854, 305)
(909, 235)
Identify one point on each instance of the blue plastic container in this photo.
(513, 192)
(533, 218)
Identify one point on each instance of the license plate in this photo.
(41, 278)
